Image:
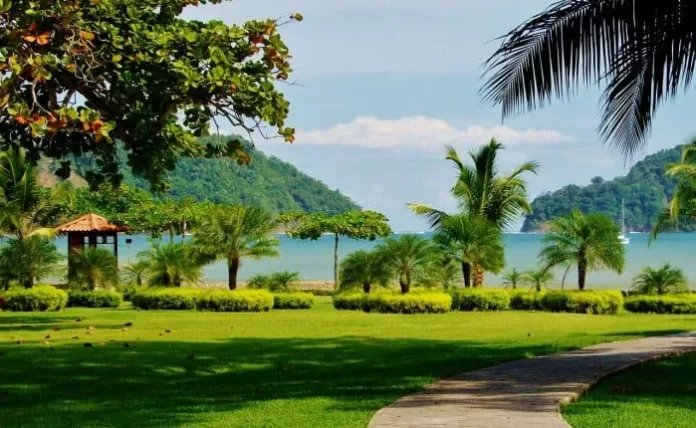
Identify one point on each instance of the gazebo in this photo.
(91, 230)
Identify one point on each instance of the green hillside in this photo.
(645, 191)
(267, 182)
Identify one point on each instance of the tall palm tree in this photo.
(364, 268)
(409, 257)
(513, 278)
(481, 190)
(473, 242)
(663, 280)
(589, 241)
(234, 233)
(641, 50)
(170, 264)
(29, 260)
(538, 279)
(92, 268)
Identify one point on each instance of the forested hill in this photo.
(267, 181)
(645, 190)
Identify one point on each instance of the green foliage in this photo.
(234, 233)
(411, 303)
(480, 300)
(409, 257)
(682, 208)
(645, 190)
(513, 279)
(79, 76)
(165, 298)
(523, 300)
(664, 304)
(94, 299)
(664, 280)
(28, 260)
(293, 300)
(134, 273)
(171, 264)
(363, 269)
(538, 279)
(235, 301)
(41, 298)
(93, 268)
(348, 300)
(277, 281)
(583, 302)
(589, 241)
(127, 291)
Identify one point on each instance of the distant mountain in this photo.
(645, 190)
(267, 182)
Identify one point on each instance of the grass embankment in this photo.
(314, 368)
(656, 394)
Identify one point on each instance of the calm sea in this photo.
(313, 259)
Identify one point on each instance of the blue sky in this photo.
(384, 85)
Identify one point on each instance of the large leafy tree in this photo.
(588, 241)
(663, 280)
(641, 51)
(365, 225)
(235, 233)
(482, 191)
(78, 75)
(409, 257)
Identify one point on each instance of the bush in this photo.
(235, 301)
(127, 291)
(40, 298)
(277, 281)
(521, 300)
(293, 301)
(165, 298)
(665, 304)
(350, 301)
(95, 299)
(466, 299)
(411, 303)
(583, 302)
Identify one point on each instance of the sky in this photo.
(381, 86)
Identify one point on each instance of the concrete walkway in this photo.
(524, 393)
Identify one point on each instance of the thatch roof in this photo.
(91, 223)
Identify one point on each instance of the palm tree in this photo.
(409, 257)
(480, 190)
(513, 278)
(664, 280)
(233, 233)
(170, 264)
(364, 268)
(683, 203)
(134, 273)
(589, 241)
(471, 241)
(642, 50)
(93, 267)
(29, 260)
(538, 279)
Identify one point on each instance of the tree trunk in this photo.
(232, 270)
(335, 261)
(366, 287)
(478, 276)
(582, 272)
(29, 281)
(405, 286)
(466, 271)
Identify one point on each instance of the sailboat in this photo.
(622, 236)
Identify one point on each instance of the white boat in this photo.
(622, 236)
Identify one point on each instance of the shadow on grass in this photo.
(644, 333)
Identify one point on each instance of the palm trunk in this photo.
(335, 266)
(582, 271)
(366, 287)
(405, 286)
(29, 281)
(232, 270)
(478, 276)
(466, 272)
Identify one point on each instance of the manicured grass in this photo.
(656, 394)
(313, 368)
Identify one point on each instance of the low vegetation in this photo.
(664, 304)
(663, 280)
(296, 300)
(480, 300)
(40, 298)
(583, 302)
(94, 299)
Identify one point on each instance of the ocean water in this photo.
(314, 259)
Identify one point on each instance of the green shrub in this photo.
(665, 304)
(583, 302)
(293, 301)
(350, 301)
(410, 303)
(166, 298)
(318, 292)
(521, 300)
(235, 301)
(276, 282)
(39, 298)
(127, 291)
(466, 299)
(95, 299)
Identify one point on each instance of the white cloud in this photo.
(422, 132)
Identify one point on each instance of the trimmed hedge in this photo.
(165, 298)
(293, 301)
(40, 298)
(235, 301)
(467, 299)
(95, 299)
(583, 302)
(411, 303)
(350, 301)
(521, 300)
(665, 304)
(127, 291)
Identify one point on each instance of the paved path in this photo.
(524, 393)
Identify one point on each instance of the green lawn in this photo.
(657, 394)
(317, 368)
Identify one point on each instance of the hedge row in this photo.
(40, 298)
(394, 303)
(94, 299)
(467, 299)
(296, 300)
(583, 302)
(666, 304)
(219, 300)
